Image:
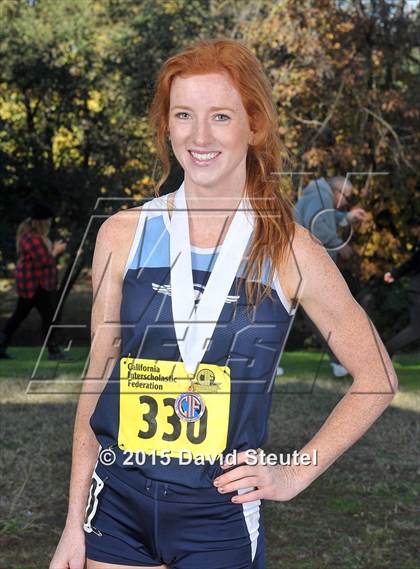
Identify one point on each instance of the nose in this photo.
(202, 133)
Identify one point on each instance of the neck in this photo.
(223, 197)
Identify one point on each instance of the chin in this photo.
(205, 181)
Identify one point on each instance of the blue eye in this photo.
(182, 115)
(225, 117)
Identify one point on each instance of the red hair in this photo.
(274, 227)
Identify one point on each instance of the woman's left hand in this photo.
(276, 482)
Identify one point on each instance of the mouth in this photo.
(203, 158)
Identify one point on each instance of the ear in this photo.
(255, 137)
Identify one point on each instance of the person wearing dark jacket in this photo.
(36, 278)
(410, 333)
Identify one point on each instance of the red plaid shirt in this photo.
(36, 266)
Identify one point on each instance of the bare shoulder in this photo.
(118, 230)
(307, 261)
(114, 239)
(305, 247)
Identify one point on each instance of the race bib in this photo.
(148, 421)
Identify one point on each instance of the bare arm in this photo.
(111, 251)
(325, 297)
(313, 278)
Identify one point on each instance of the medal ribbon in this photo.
(194, 326)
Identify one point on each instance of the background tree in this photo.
(76, 78)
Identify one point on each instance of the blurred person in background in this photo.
(319, 210)
(411, 267)
(36, 278)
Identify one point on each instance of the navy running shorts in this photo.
(133, 520)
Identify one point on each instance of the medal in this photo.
(194, 325)
(189, 406)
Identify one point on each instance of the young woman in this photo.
(36, 278)
(202, 286)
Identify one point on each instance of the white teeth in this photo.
(203, 157)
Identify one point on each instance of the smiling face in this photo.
(210, 132)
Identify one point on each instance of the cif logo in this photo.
(189, 406)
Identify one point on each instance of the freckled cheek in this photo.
(237, 139)
(237, 146)
(177, 142)
(180, 135)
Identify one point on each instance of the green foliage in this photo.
(76, 79)
(345, 77)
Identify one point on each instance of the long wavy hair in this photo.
(265, 185)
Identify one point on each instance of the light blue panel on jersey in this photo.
(153, 250)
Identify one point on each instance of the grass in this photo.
(361, 513)
(310, 365)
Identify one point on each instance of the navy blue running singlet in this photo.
(249, 340)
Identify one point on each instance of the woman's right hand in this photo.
(70, 551)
